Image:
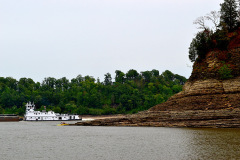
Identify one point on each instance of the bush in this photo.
(225, 72)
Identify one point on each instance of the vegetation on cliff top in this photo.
(131, 92)
(215, 51)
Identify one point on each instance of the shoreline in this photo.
(222, 118)
(101, 117)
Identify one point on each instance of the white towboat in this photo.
(32, 115)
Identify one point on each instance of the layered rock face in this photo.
(206, 99)
(204, 95)
(223, 118)
(205, 89)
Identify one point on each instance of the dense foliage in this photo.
(208, 39)
(229, 14)
(131, 92)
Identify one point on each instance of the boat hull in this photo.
(7, 118)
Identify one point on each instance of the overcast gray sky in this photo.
(65, 38)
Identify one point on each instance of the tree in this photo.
(49, 83)
(229, 14)
(132, 74)
(213, 16)
(108, 79)
(168, 75)
(200, 21)
(89, 78)
(120, 76)
(193, 53)
(147, 75)
(200, 45)
(155, 72)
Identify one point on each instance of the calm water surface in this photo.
(45, 140)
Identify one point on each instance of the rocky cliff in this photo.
(210, 94)
(210, 98)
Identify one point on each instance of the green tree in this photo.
(155, 72)
(108, 79)
(132, 74)
(89, 78)
(120, 76)
(200, 45)
(49, 83)
(147, 75)
(229, 14)
(57, 109)
(221, 38)
(193, 53)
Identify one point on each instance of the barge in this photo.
(9, 117)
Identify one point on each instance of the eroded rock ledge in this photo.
(211, 119)
(204, 95)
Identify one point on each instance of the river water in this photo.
(45, 140)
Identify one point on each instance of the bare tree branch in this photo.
(201, 22)
(214, 17)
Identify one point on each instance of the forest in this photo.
(129, 93)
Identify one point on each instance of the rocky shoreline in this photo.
(224, 118)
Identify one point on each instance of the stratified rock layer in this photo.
(204, 95)
(210, 118)
(206, 100)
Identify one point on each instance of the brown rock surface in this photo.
(204, 95)
(206, 100)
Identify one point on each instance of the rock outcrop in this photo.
(224, 118)
(204, 95)
(206, 100)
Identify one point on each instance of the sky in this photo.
(66, 38)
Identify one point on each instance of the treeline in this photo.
(129, 93)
